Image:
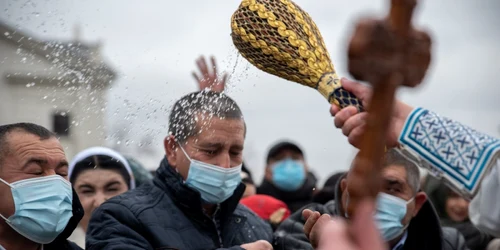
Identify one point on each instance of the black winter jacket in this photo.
(168, 215)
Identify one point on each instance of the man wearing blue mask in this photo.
(287, 177)
(193, 202)
(404, 217)
(38, 208)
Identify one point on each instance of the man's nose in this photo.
(225, 160)
(463, 203)
(100, 198)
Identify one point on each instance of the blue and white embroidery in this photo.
(459, 152)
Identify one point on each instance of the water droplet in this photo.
(6, 33)
(45, 97)
(89, 132)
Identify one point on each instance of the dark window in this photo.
(60, 123)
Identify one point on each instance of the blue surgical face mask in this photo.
(215, 184)
(390, 211)
(288, 175)
(43, 207)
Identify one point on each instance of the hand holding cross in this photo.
(386, 53)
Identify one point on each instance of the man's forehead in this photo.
(220, 130)
(218, 139)
(395, 172)
(24, 144)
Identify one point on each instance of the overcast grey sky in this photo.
(153, 45)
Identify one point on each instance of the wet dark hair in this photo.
(28, 128)
(183, 116)
(104, 162)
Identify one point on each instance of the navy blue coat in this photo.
(168, 215)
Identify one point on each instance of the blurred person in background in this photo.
(287, 176)
(327, 193)
(246, 178)
(141, 174)
(97, 174)
(453, 211)
(268, 208)
(38, 208)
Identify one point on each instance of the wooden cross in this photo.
(386, 53)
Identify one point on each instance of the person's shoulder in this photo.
(143, 197)
(262, 229)
(453, 239)
(243, 211)
(252, 218)
(327, 208)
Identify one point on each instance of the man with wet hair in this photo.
(193, 202)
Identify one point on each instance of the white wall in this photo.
(36, 104)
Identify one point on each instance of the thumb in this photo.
(307, 213)
(360, 91)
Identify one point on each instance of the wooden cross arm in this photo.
(381, 47)
(387, 53)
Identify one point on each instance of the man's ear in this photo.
(170, 150)
(420, 199)
(343, 185)
(268, 173)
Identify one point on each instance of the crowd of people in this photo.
(202, 196)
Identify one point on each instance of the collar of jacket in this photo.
(187, 199)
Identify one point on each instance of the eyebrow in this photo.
(34, 160)
(41, 161)
(85, 186)
(237, 147)
(218, 145)
(112, 183)
(210, 145)
(62, 164)
(393, 182)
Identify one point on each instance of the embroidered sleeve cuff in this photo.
(457, 153)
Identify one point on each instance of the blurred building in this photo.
(61, 85)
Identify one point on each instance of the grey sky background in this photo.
(153, 45)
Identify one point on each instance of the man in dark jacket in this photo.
(287, 177)
(406, 220)
(193, 202)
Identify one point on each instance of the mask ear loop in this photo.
(184, 151)
(6, 183)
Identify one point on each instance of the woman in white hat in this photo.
(97, 174)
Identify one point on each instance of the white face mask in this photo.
(43, 207)
(215, 184)
(390, 211)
